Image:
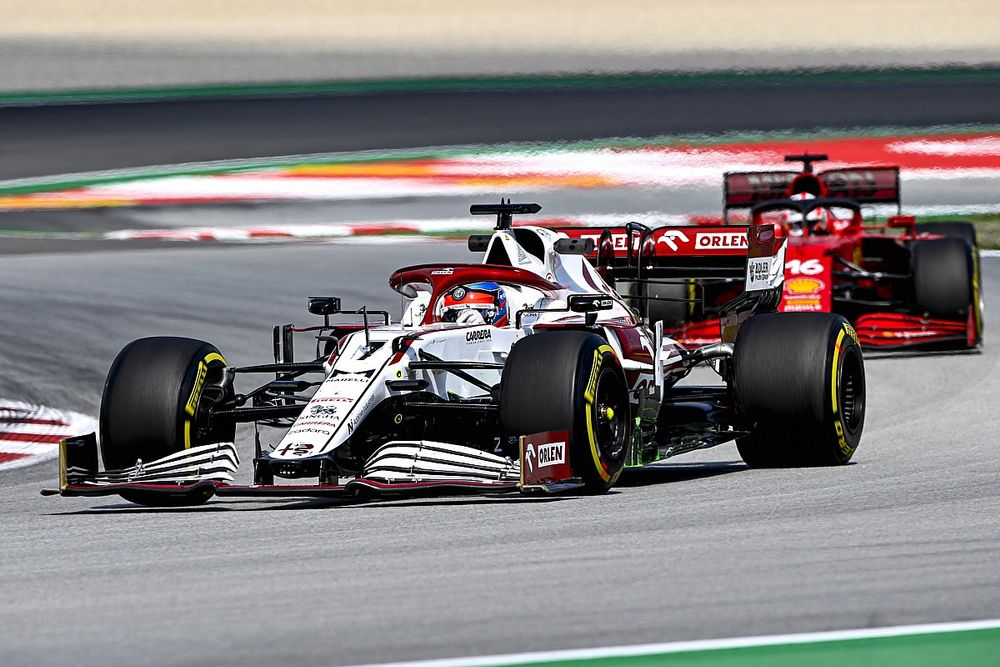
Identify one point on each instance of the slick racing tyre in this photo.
(799, 381)
(560, 380)
(943, 277)
(951, 229)
(152, 404)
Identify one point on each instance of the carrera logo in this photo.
(804, 286)
(720, 240)
(551, 454)
(671, 236)
(478, 335)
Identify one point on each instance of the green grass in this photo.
(870, 76)
(987, 227)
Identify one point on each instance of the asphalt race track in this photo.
(701, 548)
(39, 141)
(704, 548)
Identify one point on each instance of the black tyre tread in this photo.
(544, 379)
(959, 229)
(942, 277)
(782, 380)
(145, 393)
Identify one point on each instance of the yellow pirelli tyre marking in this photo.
(588, 396)
(833, 372)
(837, 425)
(199, 385)
(977, 299)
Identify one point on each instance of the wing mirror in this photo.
(574, 246)
(409, 291)
(589, 303)
(479, 242)
(324, 305)
(901, 221)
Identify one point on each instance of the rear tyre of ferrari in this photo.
(943, 272)
(799, 381)
(152, 403)
(559, 380)
(951, 229)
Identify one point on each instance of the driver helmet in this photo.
(476, 303)
(794, 219)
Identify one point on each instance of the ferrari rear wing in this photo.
(864, 185)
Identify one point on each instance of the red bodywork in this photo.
(817, 256)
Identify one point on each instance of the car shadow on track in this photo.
(678, 472)
(659, 474)
(228, 505)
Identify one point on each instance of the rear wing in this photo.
(864, 185)
(751, 258)
(689, 252)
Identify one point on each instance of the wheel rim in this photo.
(852, 392)
(611, 416)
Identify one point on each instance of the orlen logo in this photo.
(670, 237)
(803, 286)
(720, 240)
(551, 454)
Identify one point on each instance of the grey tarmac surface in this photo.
(702, 548)
(41, 141)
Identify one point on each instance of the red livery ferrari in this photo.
(901, 285)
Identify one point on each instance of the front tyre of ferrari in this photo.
(799, 382)
(958, 229)
(152, 404)
(573, 380)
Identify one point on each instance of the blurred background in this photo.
(198, 167)
(66, 44)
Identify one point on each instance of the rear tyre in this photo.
(799, 380)
(560, 380)
(943, 272)
(152, 404)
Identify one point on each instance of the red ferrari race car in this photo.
(900, 285)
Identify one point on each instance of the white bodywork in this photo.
(356, 376)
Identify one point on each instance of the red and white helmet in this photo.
(475, 303)
(817, 216)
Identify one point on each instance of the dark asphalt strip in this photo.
(36, 141)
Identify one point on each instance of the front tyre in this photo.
(152, 405)
(952, 229)
(570, 379)
(799, 381)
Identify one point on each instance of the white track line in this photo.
(700, 645)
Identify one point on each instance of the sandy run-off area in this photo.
(80, 43)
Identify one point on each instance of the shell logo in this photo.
(803, 286)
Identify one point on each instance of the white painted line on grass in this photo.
(700, 645)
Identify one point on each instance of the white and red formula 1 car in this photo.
(528, 371)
